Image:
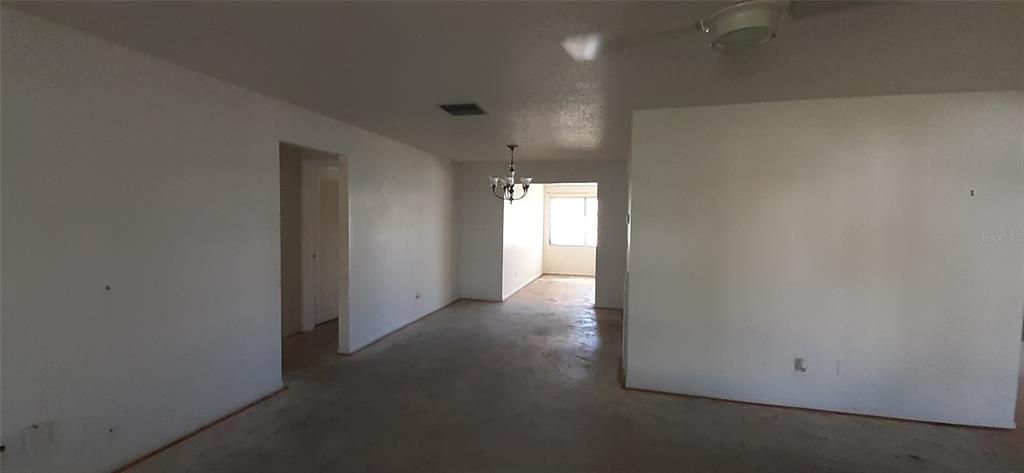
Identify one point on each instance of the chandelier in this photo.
(504, 187)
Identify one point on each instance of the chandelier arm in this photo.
(494, 190)
(521, 196)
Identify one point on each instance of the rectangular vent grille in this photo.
(462, 109)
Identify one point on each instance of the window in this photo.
(573, 221)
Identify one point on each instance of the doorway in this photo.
(570, 229)
(551, 234)
(314, 254)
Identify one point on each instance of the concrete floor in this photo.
(531, 385)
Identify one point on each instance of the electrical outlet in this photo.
(800, 364)
(29, 439)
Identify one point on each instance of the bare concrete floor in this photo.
(531, 386)
(306, 350)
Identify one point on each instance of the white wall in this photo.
(291, 239)
(480, 233)
(568, 260)
(842, 231)
(480, 229)
(123, 170)
(1, 254)
(344, 260)
(328, 249)
(522, 241)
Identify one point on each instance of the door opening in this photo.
(314, 254)
(570, 229)
(551, 236)
(570, 238)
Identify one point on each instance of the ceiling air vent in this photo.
(461, 109)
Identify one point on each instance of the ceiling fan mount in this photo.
(742, 26)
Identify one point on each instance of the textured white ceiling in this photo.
(386, 66)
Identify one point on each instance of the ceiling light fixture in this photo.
(743, 26)
(507, 184)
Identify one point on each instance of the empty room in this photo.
(716, 236)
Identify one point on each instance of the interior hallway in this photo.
(531, 385)
(305, 350)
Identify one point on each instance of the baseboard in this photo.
(325, 322)
(198, 431)
(392, 332)
(520, 288)
(981, 426)
(575, 275)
